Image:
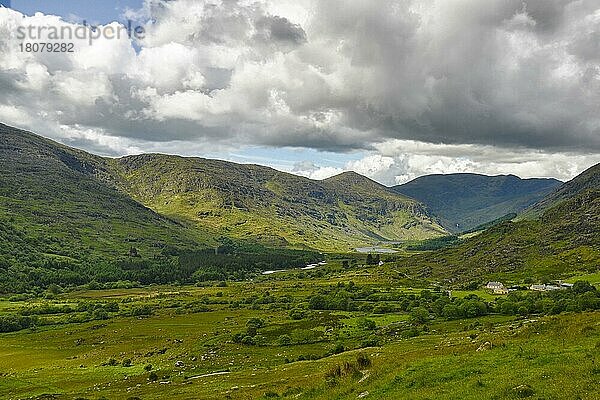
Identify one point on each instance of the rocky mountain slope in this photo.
(273, 207)
(564, 238)
(464, 201)
(68, 202)
(57, 202)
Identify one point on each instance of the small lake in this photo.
(308, 267)
(273, 272)
(377, 250)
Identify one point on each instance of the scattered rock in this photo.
(523, 391)
(485, 346)
(179, 364)
(362, 395)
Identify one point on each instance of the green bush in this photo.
(284, 340)
(142, 310)
(366, 324)
(363, 361)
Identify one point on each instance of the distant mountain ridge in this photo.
(560, 238)
(155, 199)
(56, 202)
(464, 201)
(588, 179)
(252, 201)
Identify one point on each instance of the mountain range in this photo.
(557, 236)
(62, 204)
(465, 201)
(61, 198)
(586, 181)
(273, 207)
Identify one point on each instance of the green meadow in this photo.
(320, 334)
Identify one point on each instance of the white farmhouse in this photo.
(494, 285)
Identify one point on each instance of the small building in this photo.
(501, 290)
(538, 288)
(553, 287)
(494, 285)
(544, 288)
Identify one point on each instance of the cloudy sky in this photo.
(389, 89)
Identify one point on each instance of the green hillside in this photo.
(99, 205)
(464, 201)
(101, 297)
(564, 240)
(587, 180)
(272, 207)
(68, 217)
(64, 221)
(62, 202)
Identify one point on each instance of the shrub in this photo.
(334, 372)
(247, 340)
(345, 369)
(370, 342)
(99, 314)
(338, 348)
(297, 314)
(382, 309)
(19, 297)
(54, 289)
(411, 332)
(255, 323)
(366, 324)
(419, 315)
(13, 323)
(285, 340)
(142, 310)
(111, 362)
(582, 287)
(363, 361)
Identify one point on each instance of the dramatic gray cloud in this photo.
(399, 161)
(488, 85)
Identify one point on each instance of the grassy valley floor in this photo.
(266, 340)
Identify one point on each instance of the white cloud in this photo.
(82, 88)
(420, 86)
(400, 161)
(188, 104)
(36, 77)
(13, 115)
(310, 170)
(372, 165)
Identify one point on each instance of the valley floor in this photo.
(233, 342)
